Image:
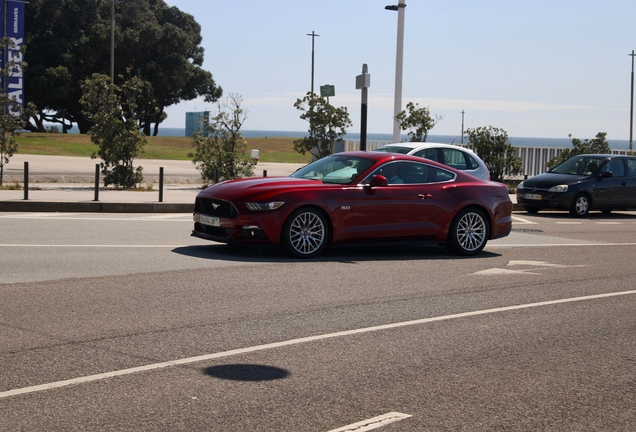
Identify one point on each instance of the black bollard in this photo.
(96, 182)
(160, 184)
(264, 173)
(26, 180)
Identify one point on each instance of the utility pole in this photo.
(313, 36)
(399, 64)
(462, 126)
(631, 109)
(363, 82)
(112, 40)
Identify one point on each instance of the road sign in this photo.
(327, 90)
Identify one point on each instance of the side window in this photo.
(455, 158)
(472, 163)
(616, 167)
(631, 167)
(429, 153)
(437, 175)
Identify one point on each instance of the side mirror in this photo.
(606, 174)
(378, 180)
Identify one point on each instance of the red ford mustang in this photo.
(356, 197)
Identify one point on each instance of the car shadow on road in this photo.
(246, 372)
(342, 254)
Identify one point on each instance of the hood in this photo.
(547, 180)
(266, 186)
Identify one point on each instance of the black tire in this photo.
(468, 233)
(305, 233)
(531, 209)
(581, 205)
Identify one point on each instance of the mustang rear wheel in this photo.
(305, 233)
(468, 233)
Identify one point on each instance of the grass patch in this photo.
(271, 149)
(13, 186)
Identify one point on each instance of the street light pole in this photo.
(631, 109)
(112, 39)
(462, 126)
(399, 61)
(112, 42)
(313, 35)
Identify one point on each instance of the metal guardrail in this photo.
(533, 159)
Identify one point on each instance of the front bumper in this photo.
(553, 200)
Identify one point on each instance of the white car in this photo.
(448, 154)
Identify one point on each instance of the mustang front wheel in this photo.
(305, 233)
(468, 233)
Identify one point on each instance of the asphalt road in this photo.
(124, 322)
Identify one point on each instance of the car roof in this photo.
(418, 145)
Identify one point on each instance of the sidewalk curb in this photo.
(94, 207)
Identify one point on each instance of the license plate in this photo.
(209, 220)
(532, 197)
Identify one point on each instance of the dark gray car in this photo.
(582, 183)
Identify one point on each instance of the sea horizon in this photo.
(615, 144)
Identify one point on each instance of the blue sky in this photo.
(541, 68)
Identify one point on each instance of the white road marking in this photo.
(541, 264)
(92, 246)
(508, 245)
(498, 271)
(524, 221)
(172, 217)
(373, 423)
(570, 223)
(291, 342)
(610, 223)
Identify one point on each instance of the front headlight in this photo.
(262, 206)
(520, 185)
(558, 188)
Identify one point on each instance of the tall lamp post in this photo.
(631, 109)
(313, 36)
(399, 60)
(112, 40)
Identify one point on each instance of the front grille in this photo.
(215, 207)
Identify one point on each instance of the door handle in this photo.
(425, 196)
(624, 184)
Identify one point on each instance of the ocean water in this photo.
(447, 139)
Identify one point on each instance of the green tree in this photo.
(13, 115)
(69, 40)
(596, 145)
(492, 146)
(224, 149)
(115, 112)
(418, 121)
(327, 125)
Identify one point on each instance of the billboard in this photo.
(12, 27)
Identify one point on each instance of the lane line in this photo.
(185, 217)
(522, 220)
(94, 246)
(373, 423)
(214, 356)
(501, 245)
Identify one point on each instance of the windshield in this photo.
(335, 169)
(579, 165)
(394, 149)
